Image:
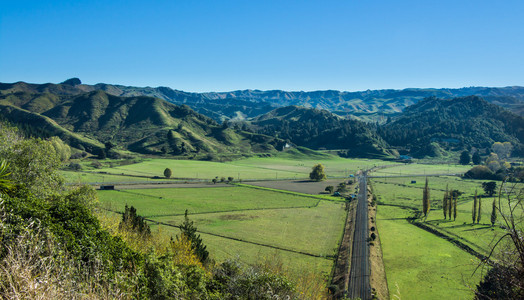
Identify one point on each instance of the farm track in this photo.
(417, 175)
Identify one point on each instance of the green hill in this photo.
(455, 124)
(370, 105)
(141, 124)
(320, 129)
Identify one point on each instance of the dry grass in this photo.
(308, 285)
(33, 268)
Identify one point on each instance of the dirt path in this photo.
(299, 186)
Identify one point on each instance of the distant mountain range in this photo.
(371, 105)
(94, 117)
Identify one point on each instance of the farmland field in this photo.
(421, 169)
(420, 265)
(91, 177)
(246, 222)
(418, 262)
(399, 191)
(245, 169)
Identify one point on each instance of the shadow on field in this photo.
(479, 228)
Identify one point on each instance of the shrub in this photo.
(168, 173)
(317, 173)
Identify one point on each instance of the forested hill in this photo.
(142, 124)
(372, 105)
(320, 129)
(456, 124)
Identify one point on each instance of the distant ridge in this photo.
(371, 105)
(139, 120)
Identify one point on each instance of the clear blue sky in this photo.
(291, 45)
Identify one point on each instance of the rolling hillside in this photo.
(320, 129)
(371, 105)
(141, 124)
(456, 124)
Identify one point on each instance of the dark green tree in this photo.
(131, 220)
(425, 199)
(477, 160)
(317, 173)
(465, 158)
(168, 173)
(479, 213)
(450, 204)
(188, 229)
(330, 189)
(474, 210)
(493, 213)
(454, 209)
(489, 187)
(109, 146)
(445, 202)
(342, 187)
(101, 153)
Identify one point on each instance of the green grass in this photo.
(251, 168)
(322, 197)
(423, 265)
(222, 249)
(288, 221)
(161, 202)
(312, 230)
(480, 237)
(85, 177)
(422, 169)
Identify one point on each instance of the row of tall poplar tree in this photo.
(449, 205)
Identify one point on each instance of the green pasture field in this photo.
(421, 169)
(256, 216)
(222, 249)
(174, 201)
(420, 262)
(399, 191)
(86, 177)
(420, 265)
(312, 230)
(245, 169)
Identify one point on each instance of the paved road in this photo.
(359, 286)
